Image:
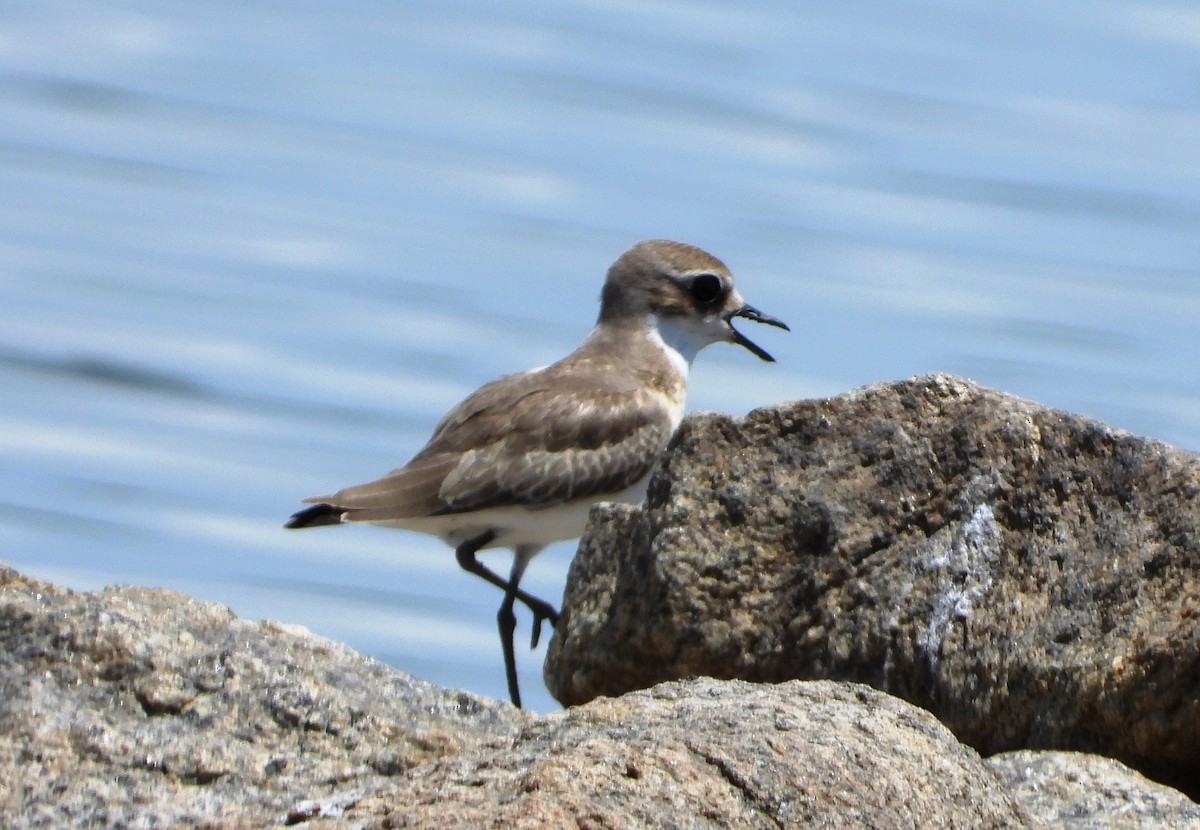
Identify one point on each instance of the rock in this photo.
(138, 708)
(1029, 576)
(1074, 791)
(704, 753)
(133, 707)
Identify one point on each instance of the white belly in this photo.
(517, 525)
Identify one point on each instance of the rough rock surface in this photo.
(136, 707)
(709, 754)
(1075, 791)
(1030, 576)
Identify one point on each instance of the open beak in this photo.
(752, 313)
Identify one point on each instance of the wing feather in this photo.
(523, 440)
(562, 447)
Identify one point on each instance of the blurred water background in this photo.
(252, 251)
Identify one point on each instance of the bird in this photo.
(520, 462)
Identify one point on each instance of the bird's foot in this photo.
(542, 612)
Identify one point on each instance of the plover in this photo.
(521, 461)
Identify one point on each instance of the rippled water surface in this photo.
(252, 251)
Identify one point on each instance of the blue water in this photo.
(250, 252)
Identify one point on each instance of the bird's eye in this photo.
(706, 288)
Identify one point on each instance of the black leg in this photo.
(542, 610)
(507, 620)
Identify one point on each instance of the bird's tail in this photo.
(316, 516)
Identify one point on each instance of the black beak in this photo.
(752, 313)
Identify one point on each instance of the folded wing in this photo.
(522, 443)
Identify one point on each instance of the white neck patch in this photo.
(681, 338)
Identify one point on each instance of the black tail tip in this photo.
(315, 516)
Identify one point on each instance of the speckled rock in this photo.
(1076, 791)
(143, 708)
(708, 754)
(1029, 576)
(139, 708)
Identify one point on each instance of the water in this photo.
(250, 252)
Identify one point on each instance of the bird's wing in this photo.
(522, 442)
(562, 447)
